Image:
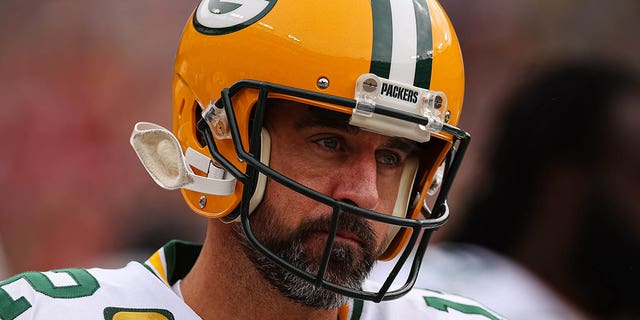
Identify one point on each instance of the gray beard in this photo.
(347, 267)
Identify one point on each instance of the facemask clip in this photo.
(407, 111)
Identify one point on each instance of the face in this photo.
(321, 151)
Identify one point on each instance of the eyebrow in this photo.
(327, 119)
(331, 119)
(402, 144)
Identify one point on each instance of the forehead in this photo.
(297, 113)
(299, 116)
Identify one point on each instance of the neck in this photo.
(223, 284)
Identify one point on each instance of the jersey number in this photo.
(85, 286)
(442, 305)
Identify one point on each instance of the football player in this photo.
(317, 137)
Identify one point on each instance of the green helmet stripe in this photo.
(382, 38)
(424, 55)
(402, 41)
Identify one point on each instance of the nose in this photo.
(355, 181)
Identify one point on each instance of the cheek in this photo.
(291, 206)
(380, 230)
(282, 201)
(291, 158)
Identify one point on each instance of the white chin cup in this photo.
(161, 154)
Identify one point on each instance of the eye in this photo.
(330, 144)
(388, 158)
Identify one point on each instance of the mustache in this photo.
(347, 222)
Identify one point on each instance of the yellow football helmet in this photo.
(394, 67)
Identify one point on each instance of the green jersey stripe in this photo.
(170, 261)
(357, 309)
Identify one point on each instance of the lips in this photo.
(341, 236)
(344, 234)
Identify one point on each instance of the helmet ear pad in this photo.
(403, 198)
(428, 166)
(261, 183)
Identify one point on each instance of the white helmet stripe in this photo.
(404, 43)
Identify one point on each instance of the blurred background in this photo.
(76, 76)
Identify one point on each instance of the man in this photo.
(312, 135)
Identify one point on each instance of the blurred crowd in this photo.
(76, 76)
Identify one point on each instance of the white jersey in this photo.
(144, 292)
(488, 277)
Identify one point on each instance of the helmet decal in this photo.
(393, 56)
(216, 17)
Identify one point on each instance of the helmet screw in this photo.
(370, 85)
(437, 102)
(323, 83)
(447, 116)
(220, 128)
(202, 202)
